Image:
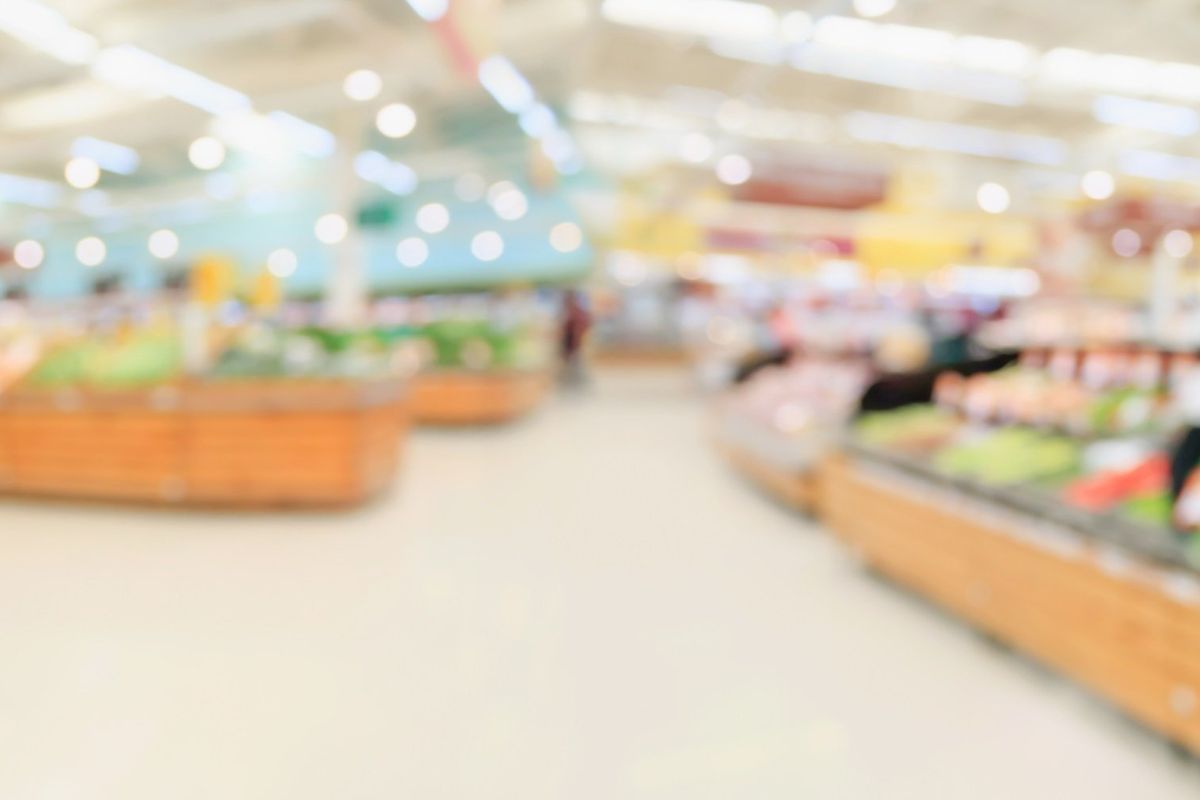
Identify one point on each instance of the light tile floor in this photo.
(584, 606)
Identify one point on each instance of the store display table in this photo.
(234, 442)
(1113, 605)
(485, 397)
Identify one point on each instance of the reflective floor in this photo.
(587, 605)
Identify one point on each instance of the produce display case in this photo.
(466, 397)
(1109, 602)
(252, 443)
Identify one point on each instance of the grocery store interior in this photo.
(599, 399)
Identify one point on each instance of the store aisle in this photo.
(584, 606)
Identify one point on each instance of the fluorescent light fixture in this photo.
(873, 8)
(430, 10)
(538, 121)
(504, 83)
(1146, 115)
(44, 29)
(707, 18)
(1005, 56)
(362, 85)
(371, 165)
(111, 157)
(400, 179)
(82, 173)
(917, 44)
(908, 132)
(29, 191)
(1159, 166)
(396, 120)
(994, 281)
(133, 68)
(311, 140)
(1097, 184)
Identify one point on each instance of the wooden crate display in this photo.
(1127, 629)
(462, 397)
(248, 443)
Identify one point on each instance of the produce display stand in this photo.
(1114, 605)
(232, 442)
(785, 468)
(798, 489)
(484, 397)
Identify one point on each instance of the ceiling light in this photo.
(331, 228)
(1097, 184)
(400, 179)
(90, 251)
(163, 244)
(993, 55)
(504, 83)
(371, 165)
(430, 10)
(1127, 243)
(310, 139)
(1177, 243)
(281, 263)
(566, 237)
(362, 85)
(734, 169)
(29, 254)
(873, 8)
(433, 217)
(706, 18)
(538, 121)
(82, 173)
(133, 68)
(498, 188)
(797, 27)
(412, 252)
(992, 198)
(511, 205)
(909, 132)
(396, 120)
(29, 191)
(487, 246)
(696, 148)
(1159, 166)
(109, 156)
(1146, 115)
(45, 29)
(206, 153)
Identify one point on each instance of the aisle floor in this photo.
(584, 606)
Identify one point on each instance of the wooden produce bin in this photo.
(1120, 623)
(464, 397)
(250, 443)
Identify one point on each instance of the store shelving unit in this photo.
(485, 397)
(1114, 606)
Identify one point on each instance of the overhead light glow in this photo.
(1178, 243)
(221, 186)
(371, 165)
(29, 254)
(91, 251)
(566, 237)
(433, 218)
(412, 252)
(133, 68)
(206, 153)
(729, 19)
(734, 169)
(44, 29)
(362, 85)
(82, 173)
(511, 205)
(504, 83)
(430, 10)
(537, 121)
(992, 198)
(396, 120)
(873, 8)
(1127, 243)
(696, 148)
(281, 263)
(331, 228)
(400, 179)
(29, 191)
(109, 156)
(311, 140)
(163, 244)
(1146, 115)
(487, 246)
(908, 132)
(1159, 166)
(1098, 184)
